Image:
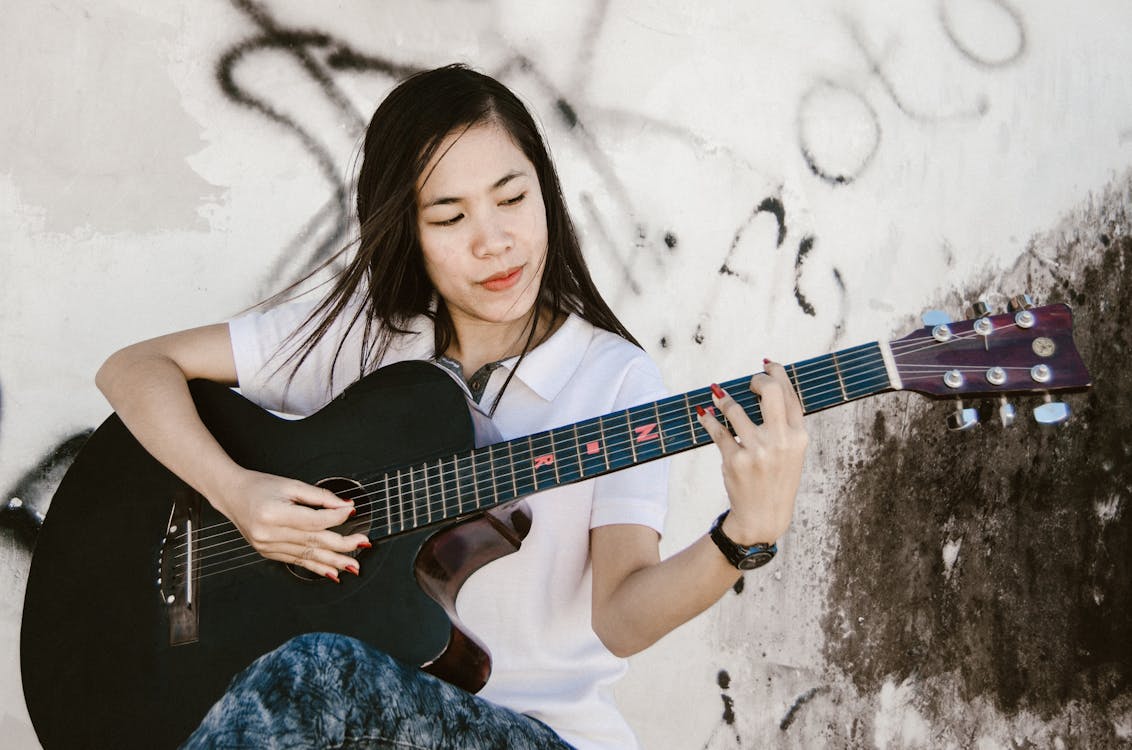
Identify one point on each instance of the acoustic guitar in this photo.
(143, 602)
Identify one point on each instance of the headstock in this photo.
(1027, 350)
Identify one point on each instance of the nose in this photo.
(493, 236)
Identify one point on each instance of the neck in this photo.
(477, 343)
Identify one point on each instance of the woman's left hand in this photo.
(762, 464)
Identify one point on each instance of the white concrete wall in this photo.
(913, 151)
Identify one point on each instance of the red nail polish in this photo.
(700, 410)
(333, 577)
(352, 511)
(710, 410)
(353, 569)
(766, 361)
(717, 391)
(364, 545)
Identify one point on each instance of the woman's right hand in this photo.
(289, 521)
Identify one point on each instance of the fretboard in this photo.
(467, 483)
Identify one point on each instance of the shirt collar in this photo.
(548, 367)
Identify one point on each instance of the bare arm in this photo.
(637, 598)
(284, 519)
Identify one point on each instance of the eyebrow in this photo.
(495, 186)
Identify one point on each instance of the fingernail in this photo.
(766, 361)
(364, 545)
(353, 569)
(718, 391)
(353, 511)
(700, 410)
(333, 577)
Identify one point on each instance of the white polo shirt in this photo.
(532, 608)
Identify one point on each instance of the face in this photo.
(482, 228)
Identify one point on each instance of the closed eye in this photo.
(517, 199)
(447, 222)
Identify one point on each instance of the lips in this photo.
(503, 280)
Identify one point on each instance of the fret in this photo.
(443, 488)
(521, 479)
(411, 478)
(427, 494)
(644, 433)
(388, 505)
(475, 479)
(591, 448)
(567, 461)
(616, 429)
(659, 425)
(840, 379)
(821, 384)
(867, 375)
(464, 473)
(544, 461)
(793, 377)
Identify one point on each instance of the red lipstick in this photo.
(503, 280)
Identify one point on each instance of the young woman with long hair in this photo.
(466, 257)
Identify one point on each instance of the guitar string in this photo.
(613, 451)
(809, 376)
(388, 523)
(616, 449)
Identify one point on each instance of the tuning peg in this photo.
(935, 318)
(1006, 412)
(1020, 302)
(1051, 412)
(980, 309)
(962, 419)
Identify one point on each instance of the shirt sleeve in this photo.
(262, 342)
(638, 495)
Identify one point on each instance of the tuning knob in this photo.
(1020, 302)
(933, 318)
(1051, 412)
(1006, 412)
(980, 309)
(962, 419)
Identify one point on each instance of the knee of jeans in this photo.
(331, 658)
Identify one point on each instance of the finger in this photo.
(772, 399)
(314, 558)
(716, 431)
(792, 403)
(736, 415)
(305, 518)
(316, 497)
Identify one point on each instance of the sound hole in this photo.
(358, 524)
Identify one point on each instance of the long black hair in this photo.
(388, 266)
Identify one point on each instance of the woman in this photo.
(467, 257)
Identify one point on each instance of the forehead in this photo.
(472, 160)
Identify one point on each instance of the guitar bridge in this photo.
(179, 568)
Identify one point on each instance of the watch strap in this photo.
(741, 556)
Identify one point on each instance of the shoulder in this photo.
(625, 367)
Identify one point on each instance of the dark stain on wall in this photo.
(36, 486)
(1034, 612)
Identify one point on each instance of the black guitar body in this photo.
(99, 666)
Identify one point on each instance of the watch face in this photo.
(756, 560)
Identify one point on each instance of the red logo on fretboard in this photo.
(645, 432)
(546, 460)
(593, 447)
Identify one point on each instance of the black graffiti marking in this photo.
(804, 248)
(670, 240)
(792, 712)
(728, 709)
(569, 116)
(663, 342)
(698, 336)
(983, 62)
(738, 586)
(771, 205)
(723, 679)
(843, 178)
(34, 487)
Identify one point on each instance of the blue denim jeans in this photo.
(322, 690)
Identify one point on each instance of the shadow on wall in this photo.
(999, 557)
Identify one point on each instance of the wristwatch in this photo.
(743, 558)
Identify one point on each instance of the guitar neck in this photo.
(451, 487)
